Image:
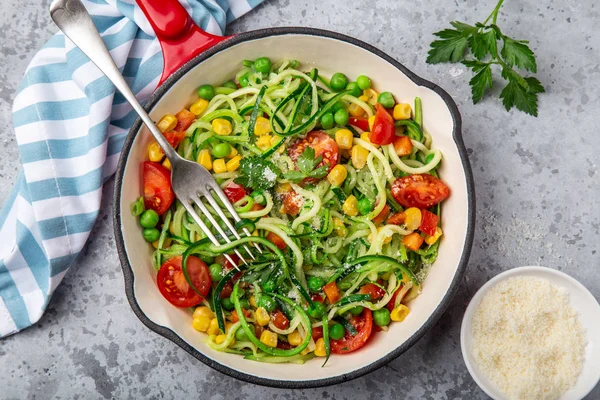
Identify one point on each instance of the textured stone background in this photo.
(538, 203)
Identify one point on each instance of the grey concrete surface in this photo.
(538, 203)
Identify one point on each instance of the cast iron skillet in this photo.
(185, 46)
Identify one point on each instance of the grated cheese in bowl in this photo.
(527, 339)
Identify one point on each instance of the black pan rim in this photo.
(442, 306)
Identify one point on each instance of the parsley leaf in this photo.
(257, 173)
(306, 164)
(482, 40)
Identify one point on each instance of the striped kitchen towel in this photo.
(70, 126)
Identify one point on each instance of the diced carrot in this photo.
(403, 145)
(397, 219)
(413, 241)
(276, 240)
(382, 216)
(332, 292)
(184, 120)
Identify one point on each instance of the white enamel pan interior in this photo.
(330, 53)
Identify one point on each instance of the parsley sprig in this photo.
(482, 40)
(257, 173)
(306, 164)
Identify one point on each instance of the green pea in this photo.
(386, 99)
(356, 310)
(149, 219)
(381, 317)
(341, 117)
(259, 197)
(151, 234)
(268, 286)
(327, 121)
(267, 302)
(230, 85)
(365, 206)
(262, 65)
(241, 336)
(363, 82)
(227, 304)
(245, 304)
(317, 310)
(315, 284)
(354, 89)
(336, 331)
(216, 272)
(338, 105)
(338, 82)
(207, 260)
(221, 150)
(244, 81)
(207, 92)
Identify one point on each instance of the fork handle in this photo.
(73, 19)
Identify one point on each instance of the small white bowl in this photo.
(580, 298)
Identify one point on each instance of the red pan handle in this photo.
(180, 38)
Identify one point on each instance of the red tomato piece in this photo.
(362, 123)
(364, 325)
(276, 240)
(234, 192)
(382, 216)
(383, 131)
(280, 320)
(292, 202)
(174, 137)
(429, 222)
(332, 292)
(323, 145)
(397, 219)
(403, 145)
(317, 333)
(158, 193)
(390, 304)
(234, 315)
(419, 190)
(175, 288)
(184, 120)
(373, 290)
(316, 297)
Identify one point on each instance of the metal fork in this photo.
(192, 183)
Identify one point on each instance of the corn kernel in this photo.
(371, 122)
(269, 338)
(434, 238)
(201, 323)
(228, 326)
(343, 138)
(219, 166)
(372, 96)
(339, 227)
(413, 218)
(399, 313)
(262, 126)
(402, 111)
(305, 351)
(167, 164)
(355, 110)
(233, 152)
(264, 142)
(294, 338)
(167, 123)
(222, 127)
(155, 153)
(220, 339)
(205, 159)
(199, 106)
(320, 349)
(364, 98)
(338, 175)
(386, 240)
(233, 164)
(166, 243)
(213, 328)
(359, 156)
(350, 206)
(155, 244)
(365, 136)
(253, 298)
(275, 140)
(203, 312)
(283, 188)
(262, 316)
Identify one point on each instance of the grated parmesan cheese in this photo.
(527, 339)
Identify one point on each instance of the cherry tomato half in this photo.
(175, 288)
(419, 190)
(234, 192)
(158, 193)
(323, 145)
(276, 240)
(364, 325)
(429, 222)
(383, 131)
(373, 290)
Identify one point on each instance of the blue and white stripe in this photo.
(70, 126)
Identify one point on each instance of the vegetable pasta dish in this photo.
(337, 189)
